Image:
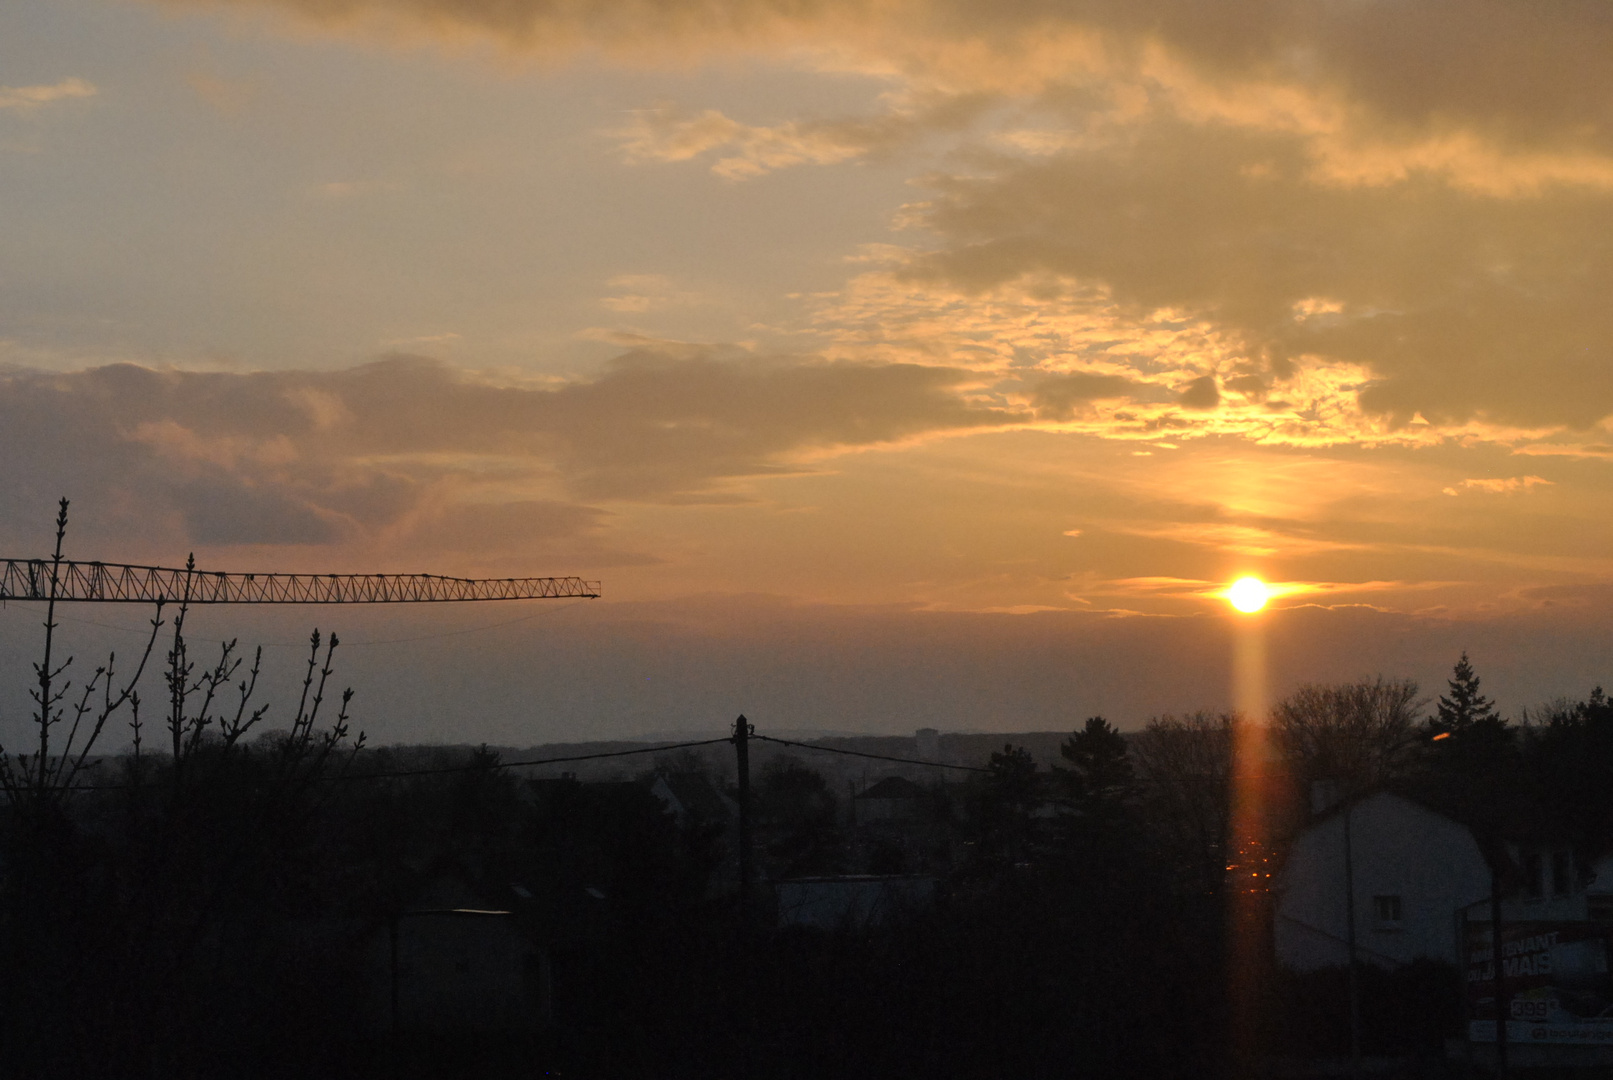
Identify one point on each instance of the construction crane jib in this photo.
(30, 579)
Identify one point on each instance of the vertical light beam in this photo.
(1248, 856)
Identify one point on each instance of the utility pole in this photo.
(392, 936)
(1349, 938)
(1501, 1003)
(743, 1017)
(742, 734)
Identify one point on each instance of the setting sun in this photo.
(1248, 594)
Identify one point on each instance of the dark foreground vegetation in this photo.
(226, 923)
(231, 906)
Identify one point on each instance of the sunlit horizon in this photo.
(938, 341)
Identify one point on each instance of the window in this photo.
(1562, 872)
(1386, 912)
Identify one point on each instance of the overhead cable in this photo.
(864, 754)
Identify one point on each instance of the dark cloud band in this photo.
(434, 459)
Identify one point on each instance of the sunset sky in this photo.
(891, 362)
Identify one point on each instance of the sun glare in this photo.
(1248, 594)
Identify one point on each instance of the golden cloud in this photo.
(1517, 75)
(636, 293)
(1301, 222)
(662, 134)
(666, 134)
(27, 98)
(1509, 485)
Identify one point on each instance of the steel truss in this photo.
(30, 579)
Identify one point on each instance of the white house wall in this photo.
(1399, 849)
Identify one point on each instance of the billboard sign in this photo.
(1554, 978)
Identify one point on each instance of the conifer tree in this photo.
(1464, 706)
(1099, 754)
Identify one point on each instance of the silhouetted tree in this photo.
(1566, 753)
(1186, 765)
(1359, 734)
(134, 906)
(797, 819)
(1002, 803)
(1099, 759)
(1464, 706)
(1470, 765)
(39, 786)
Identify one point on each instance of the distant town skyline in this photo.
(914, 363)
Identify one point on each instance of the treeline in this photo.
(210, 904)
(219, 918)
(213, 907)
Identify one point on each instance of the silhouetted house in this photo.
(1599, 890)
(1549, 884)
(894, 798)
(692, 799)
(459, 957)
(853, 902)
(1414, 874)
(1418, 875)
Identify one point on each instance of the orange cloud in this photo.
(1501, 486)
(663, 134)
(635, 293)
(1361, 254)
(28, 98)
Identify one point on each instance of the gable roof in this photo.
(893, 787)
(1372, 795)
(450, 883)
(692, 793)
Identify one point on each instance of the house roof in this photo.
(696, 795)
(449, 884)
(1358, 799)
(893, 787)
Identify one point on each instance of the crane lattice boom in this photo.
(29, 579)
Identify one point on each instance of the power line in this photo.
(568, 759)
(864, 754)
(523, 764)
(1205, 777)
(473, 767)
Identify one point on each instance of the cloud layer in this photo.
(1371, 210)
(409, 455)
(29, 98)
